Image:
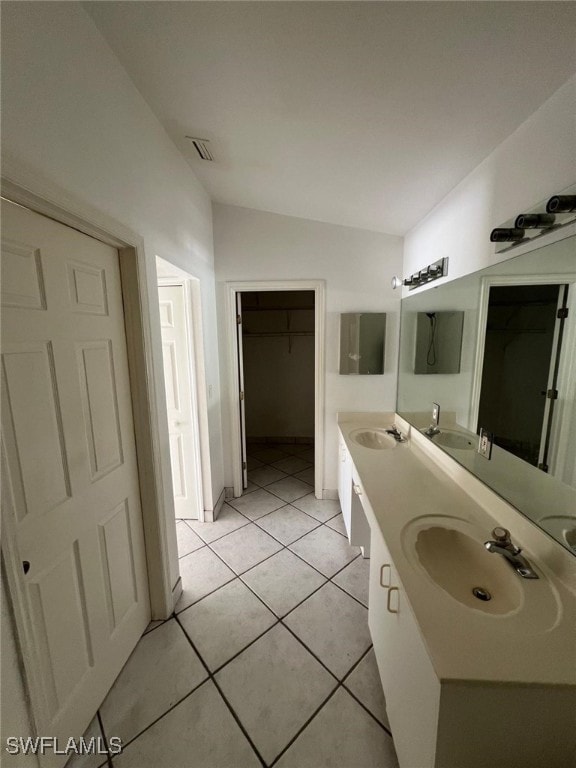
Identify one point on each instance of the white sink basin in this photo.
(450, 438)
(459, 564)
(450, 552)
(377, 439)
(562, 527)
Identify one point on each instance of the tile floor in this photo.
(267, 659)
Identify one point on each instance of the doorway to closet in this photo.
(277, 335)
(276, 374)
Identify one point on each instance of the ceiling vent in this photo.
(201, 146)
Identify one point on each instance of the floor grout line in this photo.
(167, 711)
(280, 620)
(365, 708)
(306, 724)
(225, 700)
(108, 761)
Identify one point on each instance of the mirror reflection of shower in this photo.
(431, 356)
(438, 342)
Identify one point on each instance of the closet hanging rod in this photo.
(261, 334)
(277, 309)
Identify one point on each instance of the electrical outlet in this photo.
(485, 443)
(435, 414)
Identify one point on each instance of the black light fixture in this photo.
(535, 220)
(506, 235)
(560, 211)
(561, 204)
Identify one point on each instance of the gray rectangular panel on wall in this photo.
(438, 342)
(362, 336)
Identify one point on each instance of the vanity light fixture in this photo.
(428, 274)
(506, 235)
(534, 221)
(561, 204)
(559, 211)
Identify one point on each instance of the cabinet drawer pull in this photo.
(386, 565)
(390, 591)
(357, 490)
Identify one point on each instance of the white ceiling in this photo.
(358, 113)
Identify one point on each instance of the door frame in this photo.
(319, 288)
(137, 280)
(197, 367)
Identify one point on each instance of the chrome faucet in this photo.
(502, 545)
(396, 434)
(433, 429)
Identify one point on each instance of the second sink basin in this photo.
(373, 438)
(449, 438)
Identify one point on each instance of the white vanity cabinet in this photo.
(345, 482)
(411, 687)
(464, 688)
(350, 492)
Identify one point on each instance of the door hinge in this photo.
(241, 395)
(243, 465)
(562, 313)
(552, 394)
(543, 467)
(239, 319)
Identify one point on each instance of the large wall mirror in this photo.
(515, 378)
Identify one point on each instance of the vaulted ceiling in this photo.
(358, 113)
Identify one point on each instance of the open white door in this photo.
(241, 393)
(180, 403)
(71, 501)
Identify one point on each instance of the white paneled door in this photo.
(70, 474)
(180, 402)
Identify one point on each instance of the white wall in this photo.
(73, 119)
(357, 266)
(535, 162)
(74, 122)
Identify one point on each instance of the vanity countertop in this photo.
(408, 491)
